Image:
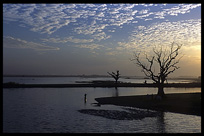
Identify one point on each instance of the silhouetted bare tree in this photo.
(166, 60)
(116, 75)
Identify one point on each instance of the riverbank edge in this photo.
(183, 103)
(179, 85)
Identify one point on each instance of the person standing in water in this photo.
(85, 99)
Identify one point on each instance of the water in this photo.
(55, 110)
(72, 80)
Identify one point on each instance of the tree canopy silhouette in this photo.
(116, 75)
(167, 61)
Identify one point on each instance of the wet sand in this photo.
(184, 103)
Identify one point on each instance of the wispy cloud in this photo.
(40, 17)
(187, 32)
(96, 21)
(173, 10)
(89, 46)
(11, 42)
(48, 18)
(67, 39)
(180, 9)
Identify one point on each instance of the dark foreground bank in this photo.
(184, 103)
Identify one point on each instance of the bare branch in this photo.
(172, 56)
(166, 60)
(116, 76)
(147, 71)
(175, 67)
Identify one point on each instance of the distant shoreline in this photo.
(184, 103)
(103, 84)
(102, 76)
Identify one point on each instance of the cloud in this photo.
(11, 42)
(176, 10)
(89, 46)
(186, 32)
(42, 18)
(67, 39)
(144, 11)
(145, 15)
(87, 19)
(90, 29)
(164, 10)
(101, 36)
(94, 30)
(48, 18)
(181, 9)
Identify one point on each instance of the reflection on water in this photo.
(160, 122)
(180, 121)
(55, 110)
(115, 92)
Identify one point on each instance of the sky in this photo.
(76, 39)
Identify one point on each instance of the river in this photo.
(55, 110)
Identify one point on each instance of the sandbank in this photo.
(184, 103)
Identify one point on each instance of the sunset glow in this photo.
(72, 39)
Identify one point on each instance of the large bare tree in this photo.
(166, 61)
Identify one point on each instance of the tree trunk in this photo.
(160, 90)
(116, 81)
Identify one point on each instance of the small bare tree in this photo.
(116, 76)
(167, 62)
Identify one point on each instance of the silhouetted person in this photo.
(145, 82)
(85, 99)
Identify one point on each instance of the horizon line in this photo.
(84, 75)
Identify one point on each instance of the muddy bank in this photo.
(185, 103)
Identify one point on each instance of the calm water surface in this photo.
(72, 80)
(55, 110)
